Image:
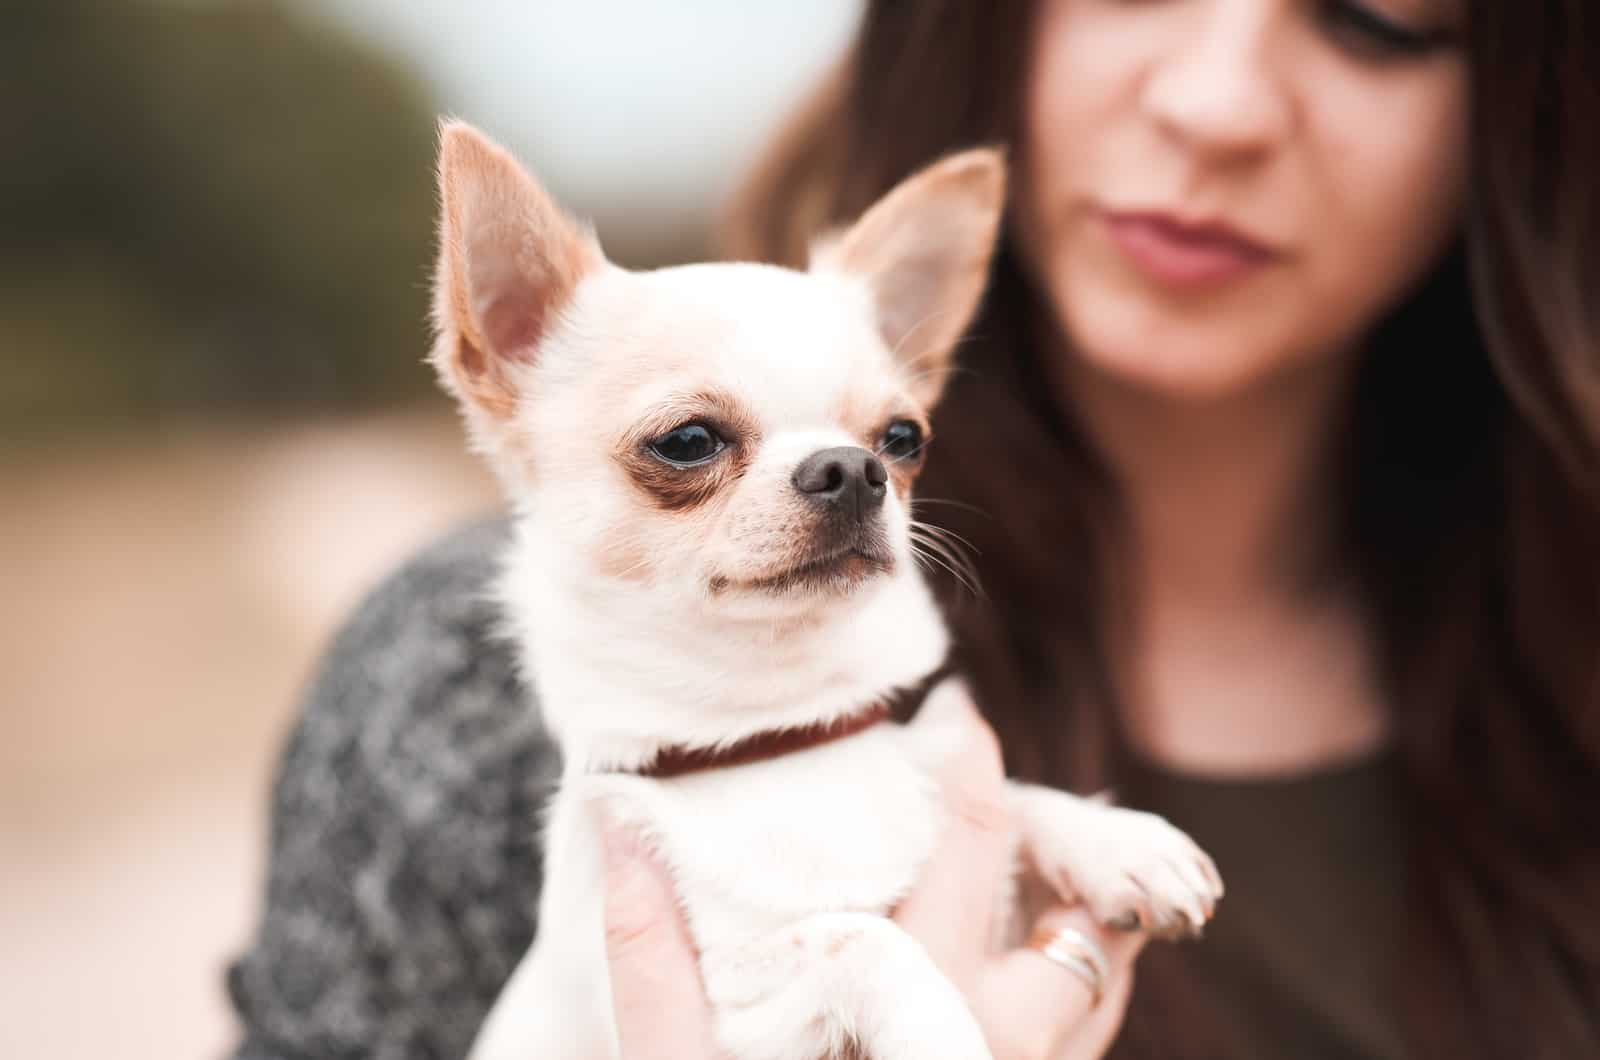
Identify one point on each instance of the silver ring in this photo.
(1078, 954)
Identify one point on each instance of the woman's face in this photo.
(1217, 190)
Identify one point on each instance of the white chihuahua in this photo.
(714, 592)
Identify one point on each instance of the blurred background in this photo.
(216, 429)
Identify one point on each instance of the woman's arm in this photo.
(403, 869)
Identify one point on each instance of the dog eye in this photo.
(902, 440)
(686, 446)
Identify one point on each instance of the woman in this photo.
(1293, 354)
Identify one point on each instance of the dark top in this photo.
(1297, 962)
(403, 869)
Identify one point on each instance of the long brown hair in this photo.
(1472, 502)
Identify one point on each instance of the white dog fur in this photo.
(656, 607)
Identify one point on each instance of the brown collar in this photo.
(676, 760)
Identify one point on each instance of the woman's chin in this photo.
(1170, 373)
(1196, 355)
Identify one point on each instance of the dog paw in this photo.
(1132, 869)
(953, 1037)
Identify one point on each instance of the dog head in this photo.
(729, 440)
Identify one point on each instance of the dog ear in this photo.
(924, 251)
(509, 259)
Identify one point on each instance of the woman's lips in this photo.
(1177, 254)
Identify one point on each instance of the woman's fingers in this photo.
(1031, 1006)
(953, 907)
(661, 1008)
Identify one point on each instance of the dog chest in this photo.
(844, 827)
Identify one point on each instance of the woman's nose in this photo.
(1218, 91)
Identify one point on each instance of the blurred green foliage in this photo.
(204, 208)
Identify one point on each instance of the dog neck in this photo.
(617, 683)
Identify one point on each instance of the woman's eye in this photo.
(686, 446)
(901, 439)
(1370, 35)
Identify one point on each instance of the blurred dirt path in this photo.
(161, 604)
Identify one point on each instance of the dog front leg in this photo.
(1127, 867)
(1130, 868)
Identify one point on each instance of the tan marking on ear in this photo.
(680, 489)
(924, 252)
(509, 260)
(473, 379)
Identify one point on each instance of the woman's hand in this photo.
(1029, 1007)
(662, 1013)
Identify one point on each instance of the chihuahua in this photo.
(713, 588)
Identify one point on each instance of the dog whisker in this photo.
(915, 501)
(960, 576)
(947, 544)
(948, 555)
(945, 533)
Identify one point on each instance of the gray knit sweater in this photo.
(404, 868)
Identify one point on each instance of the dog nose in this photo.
(846, 477)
